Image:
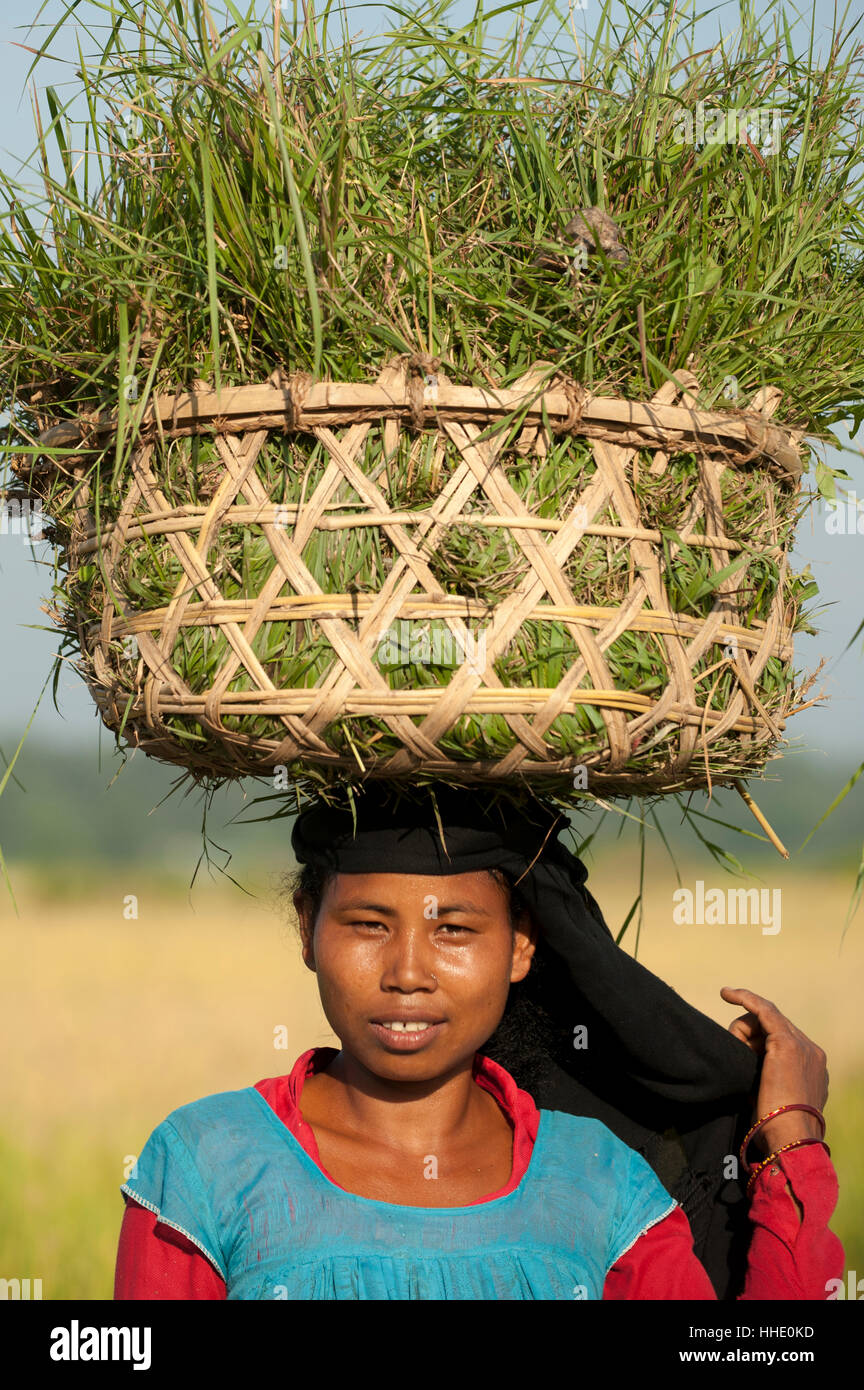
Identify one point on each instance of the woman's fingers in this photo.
(794, 1068)
(767, 1013)
(749, 1030)
(764, 1020)
(749, 1027)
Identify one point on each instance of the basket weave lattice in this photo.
(144, 690)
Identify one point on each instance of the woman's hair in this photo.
(528, 1033)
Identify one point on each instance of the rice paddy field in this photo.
(112, 1021)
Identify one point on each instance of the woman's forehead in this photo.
(478, 885)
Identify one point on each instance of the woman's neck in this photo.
(406, 1115)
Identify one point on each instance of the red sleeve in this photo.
(157, 1262)
(660, 1265)
(789, 1258)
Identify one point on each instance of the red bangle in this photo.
(795, 1105)
(795, 1144)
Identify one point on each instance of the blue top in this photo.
(228, 1174)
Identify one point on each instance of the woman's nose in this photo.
(409, 963)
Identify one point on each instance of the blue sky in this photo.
(837, 561)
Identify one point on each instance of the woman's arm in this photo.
(156, 1262)
(790, 1258)
(792, 1254)
(661, 1265)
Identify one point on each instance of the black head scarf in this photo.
(665, 1078)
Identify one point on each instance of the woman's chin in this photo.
(395, 1060)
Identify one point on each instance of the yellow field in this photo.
(112, 1022)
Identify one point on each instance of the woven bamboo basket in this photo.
(588, 729)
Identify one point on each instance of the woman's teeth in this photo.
(398, 1027)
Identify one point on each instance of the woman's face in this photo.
(400, 947)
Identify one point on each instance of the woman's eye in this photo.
(445, 926)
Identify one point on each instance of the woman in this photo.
(411, 1164)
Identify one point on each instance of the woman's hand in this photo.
(793, 1069)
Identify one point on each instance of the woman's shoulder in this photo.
(197, 1147)
(585, 1127)
(196, 1118)
(599, 1149)
(246, 1100)
(583, 1161)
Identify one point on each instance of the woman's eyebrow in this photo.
(356, 905)
(462, 907)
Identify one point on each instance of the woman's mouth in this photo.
(402, 1035)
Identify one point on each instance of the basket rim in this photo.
(426, 399)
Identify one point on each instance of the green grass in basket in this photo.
(218, 214)
(474, 560)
